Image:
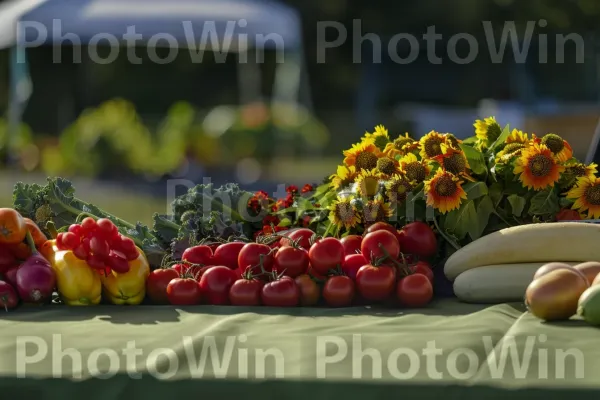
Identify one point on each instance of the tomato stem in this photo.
(51, 228)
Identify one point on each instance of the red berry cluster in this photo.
(100, 244)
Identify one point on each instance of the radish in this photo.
(8, 296)
(35, 277)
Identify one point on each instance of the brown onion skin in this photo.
(544, 269)
(590, 269)
(555, 295)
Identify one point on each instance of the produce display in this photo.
(490, 213)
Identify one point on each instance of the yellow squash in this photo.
(77, 283)
(130, 287)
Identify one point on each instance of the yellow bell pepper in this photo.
(130, 287)
(77, 283)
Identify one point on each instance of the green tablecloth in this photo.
(450, 349)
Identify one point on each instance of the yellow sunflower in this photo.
(558, 146)
(509, 152)
(414, 169)
(444, 191)
(363, 155)
(344, 176)
(454, 161)
(367, 183)
(388, 166)
(398, 188)
(487, 131)
(537, 167)
(376, 210)
(452, 141)
(380, 137)
(517, 136)
(581, 170)
(431, 145)
(586, 194)
(342, 213)
(400, 146)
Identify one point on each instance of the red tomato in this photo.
(375, 283)
(309, 290)
(351, 244)
(381, 226)
(282, 292)
(8, 296)
(157, 282)
(414, 291)
(215, 284)
(291, 261)
(227, 254)
(250, 256)
(339, 291)
(352, 264)
(246, 292)
(180, 268)
(196, 271)
(184, 292)
(380, 244)
(214, 246)
(302, 236)
(315, 274)
(326, 254)
(419, 239)
(423, 267)
(568, 215)
(202, 255)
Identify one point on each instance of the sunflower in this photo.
(367, 183)
(517, 136)
(363, 155)
(454, 161)
(558, 146)
(509, 152)
(344, 176)
(414, 169)
(343, 213)
(387, 166)
(380, 137)
(586, 194)
(398, 188)
(487, 131)
(581, 170)
(376, 210)
(444, 191)
(431, 144)
(537, 167)
(452, 141)
(400, 146)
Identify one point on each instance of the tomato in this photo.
(414, 291)
(419, 239)
(196, 271)
(7, 259)
(251, 254)
(184, 292)
(381, 226)
(326, 254)
(201, 255)
(309, 290)
(157, 282)
(351, 244)
(568, 215)
(21, 251)
(88, 225)
(214, 246)
(107, 229)
(380, 244)
(215, 284)
(8, 296)
(315, 274)
(338, 291)
(302, 236)
(98, 246)
(36, 234)
(227, 254)
(423, 267)
(375, 283)
(246, 292)
(180, 268)
(352, 264)
(12, 226)
(283, 292)
(291, 261)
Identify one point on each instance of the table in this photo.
(448, 350)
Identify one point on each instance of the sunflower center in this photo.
(445, 186)
(381, 141)
(455, 163)
(415, 171)
(513, 147)
(368, 186)
(374, 212)
(540, 165)
(554, 142)
(386, 165)
(592, 195)
(579, 170)
(344, 212)
(453, 140)
(399, 189)
(401, 141)
(493, 132)
(366, 160)
(432, 147)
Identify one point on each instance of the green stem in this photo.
(51, 228)
(444, 235)
(30, 242)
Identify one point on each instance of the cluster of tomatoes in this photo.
(299, 269)
(100, 244)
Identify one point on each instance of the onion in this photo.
(10, 276)
(35, 278)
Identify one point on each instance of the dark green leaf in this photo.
(475, 190)
(501, 139)
(485, 208)
(544, 202)
(517, 203)
(462, 221)
(475, 159)
(495, 192)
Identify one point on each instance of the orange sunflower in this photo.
(388, 166)
(431, 144)
(558, 146)
(362, 155)
(586, 194)
(444, 191)
(414, 169)
(343, 177)
(455, 162)
(376, 210)
(537, 167)
(401, 146)
(398, 188)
